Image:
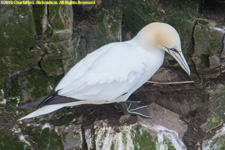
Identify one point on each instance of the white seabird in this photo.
(113, 72)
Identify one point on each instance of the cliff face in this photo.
(40, 43)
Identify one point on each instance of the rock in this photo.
(124, 118)
(29, 85)
(11, 142)
(207, 39)
(214, 62)
(216, 142)
(108, 139)
(166, 119)
(17, 35)
(223, 66)
(89, 139)
(42, 136)
(223, 52)
(213, 122)
(216, 99)
(208, 66)
(103, 28)
(208, 48)
(52, 66)
(71, 136)
(164, 131)
(201, 61)
(60, 47)
(165, 75)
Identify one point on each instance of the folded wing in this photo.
(105, 74)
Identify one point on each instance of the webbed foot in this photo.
(133, 108)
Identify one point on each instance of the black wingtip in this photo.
(23, 106)
(51, 99)
(32, 104)
(47, 98)
(40, 102)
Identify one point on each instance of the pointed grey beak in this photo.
(178, 55)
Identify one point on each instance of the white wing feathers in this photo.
(105, 74)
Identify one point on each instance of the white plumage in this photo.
(114, 71)
(109, 72)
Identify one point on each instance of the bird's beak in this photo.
(178, 55)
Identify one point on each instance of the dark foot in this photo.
(133, 108)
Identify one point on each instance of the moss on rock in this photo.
(216, 101)
(45, 139)
(30, 85)
(65, 115)
(137, 14)
(38, 11)
(54, 14)
(52, 66)
(103, 28)
(213, 121)
(17, 35)
(11, 142)
(142, 140)
(208, 41)
(216, 143)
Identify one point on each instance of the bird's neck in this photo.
(152, 48)
(143, 43)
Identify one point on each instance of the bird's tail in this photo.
(49, 104)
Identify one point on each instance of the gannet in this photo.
(113, 72)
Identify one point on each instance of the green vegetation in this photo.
(213, 121)
(54, 14)
(11, 142)
(38, 11)
(45, 139)
(142, 139)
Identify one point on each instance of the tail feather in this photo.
(49, 104)
(44, 110)
(57, 99)
(50, 108)
(49, 100)
(33, 104)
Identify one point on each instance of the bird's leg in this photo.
(133, 108)
(122, 107)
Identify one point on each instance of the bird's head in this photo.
(163, 37)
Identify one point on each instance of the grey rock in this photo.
(207, 40)
(92, 35)
(216, 142)
(89, 139)
(207, 48)
(124, 118)
(223, 52)
(223, 66)
(158, 133)
(213, 121)
(214, 62)
(71, 136)
(165, 118)
(216, 99)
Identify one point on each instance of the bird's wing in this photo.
(105, 74)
